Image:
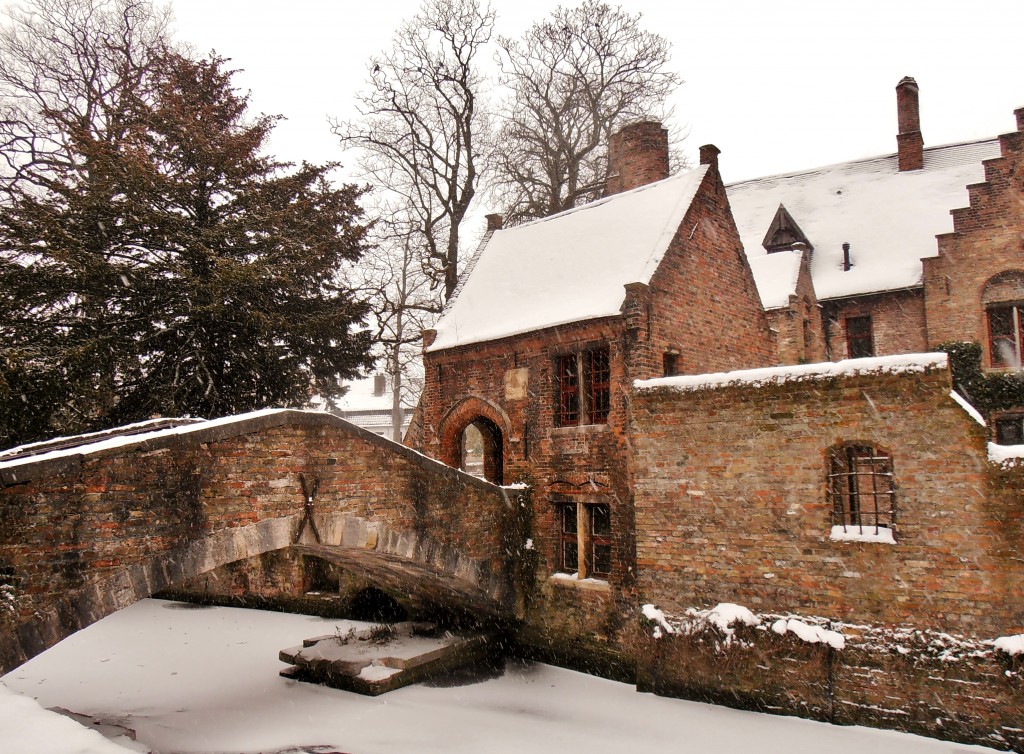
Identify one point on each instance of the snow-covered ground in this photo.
(205, 680)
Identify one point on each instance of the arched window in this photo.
(861, 487)
(1003, 299)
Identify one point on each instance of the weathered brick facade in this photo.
(982, 261)
(744, 517)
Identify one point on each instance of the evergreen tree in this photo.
(171, 268)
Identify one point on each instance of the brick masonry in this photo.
(97, 532)
(731, 507)
(511, 383)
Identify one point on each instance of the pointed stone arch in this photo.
(493, 424)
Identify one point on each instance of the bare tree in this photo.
(575, 78)
(403, 303)
(422, 126)
(71, 70)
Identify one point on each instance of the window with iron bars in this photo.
(586, 528)
(583, 388)
(861, 488)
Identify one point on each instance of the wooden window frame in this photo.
(861, 487)
(583, 387)
(855, 341)
(1014, 338)
(578, 534)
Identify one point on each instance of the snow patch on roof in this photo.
(900, 364)
(569, 267)
(889, 218)
(775, 276)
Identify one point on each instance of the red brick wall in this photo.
(897, 319)
(986, 241)
(703, 301)
(731, 505)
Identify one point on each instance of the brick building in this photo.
(556, 321)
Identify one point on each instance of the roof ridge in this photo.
(858, 161)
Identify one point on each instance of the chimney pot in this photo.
(379, 384)
(495, 222)
(709, 155)
(637, 155)
(909, 142)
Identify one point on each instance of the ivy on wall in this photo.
(998, 391)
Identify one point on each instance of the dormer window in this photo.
(784, 234)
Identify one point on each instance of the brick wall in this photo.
(743, 515)
(985, 242)
(897, 320)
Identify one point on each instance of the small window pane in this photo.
(602, 559)
(1010, 430)
(1002, 336)
(570, 557)
(598, 377)
(860, 342)
(568, 519)
(601, 520)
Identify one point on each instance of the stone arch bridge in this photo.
(88, 530)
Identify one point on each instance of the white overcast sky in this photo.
(777, 85)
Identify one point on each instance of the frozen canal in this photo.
(205, 680)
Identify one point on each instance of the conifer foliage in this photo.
(152, 259)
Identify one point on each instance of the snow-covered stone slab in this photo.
(379, 659)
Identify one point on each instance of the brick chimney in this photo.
(709, 155)
(1019, 112)
(910, 143)
(494, 222)
(637, 155)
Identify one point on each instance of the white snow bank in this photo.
(657, 617)
(30, 729)
(912, 363)
(971, 411)
(810, 634)
(724, 615)
(1012, 645)
(1006, 456)
(862, 534)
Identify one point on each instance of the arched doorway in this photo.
(481, 451)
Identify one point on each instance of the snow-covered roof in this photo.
(775, 276)
(889, 218)
(568, 267)
(360, 395)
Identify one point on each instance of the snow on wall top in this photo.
(889, 218)
(900, 364)
(775, 276)
(568, 267)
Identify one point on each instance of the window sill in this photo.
(572, 580)
(579, 429)
(882, 535)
